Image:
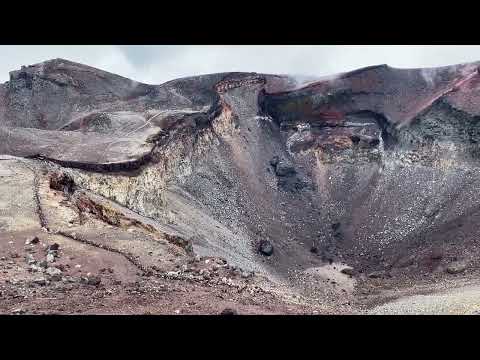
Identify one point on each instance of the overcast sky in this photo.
(157, 64)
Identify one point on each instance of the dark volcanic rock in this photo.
(40, 280)
(32, 240)
(265, 247)
(53, 247)
(284, 168)
(376, 274)
(229, 311)
(348, 271)
(274, 161)
(91, 279)
(62, 182)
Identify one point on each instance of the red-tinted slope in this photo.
(398, 94)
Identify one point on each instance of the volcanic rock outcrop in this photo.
(375, 169)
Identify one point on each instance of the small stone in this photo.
(32, 240)
(54, 247)
(78, 266)
(62, 267)
(204, 272)
(93, 280)
(54, 273)
(265, 248)
(348, 271)
(40, 281)
(30, 259)
(50, 258)
(18, 311)
(43, 264)
(221, 262)
(245, 274)
(197, 258)
(456, 267)
(375, 275)
(229, 311)
(34, 268)
(284, 168)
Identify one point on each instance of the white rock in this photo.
(53, 271)
(30, 259)
(35, 268)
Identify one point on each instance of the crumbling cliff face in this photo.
(364, 168)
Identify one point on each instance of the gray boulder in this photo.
(457, 267)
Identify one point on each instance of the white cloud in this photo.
(157, 64)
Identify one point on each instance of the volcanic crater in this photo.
(352, 193)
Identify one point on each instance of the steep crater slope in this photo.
(376, 169)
